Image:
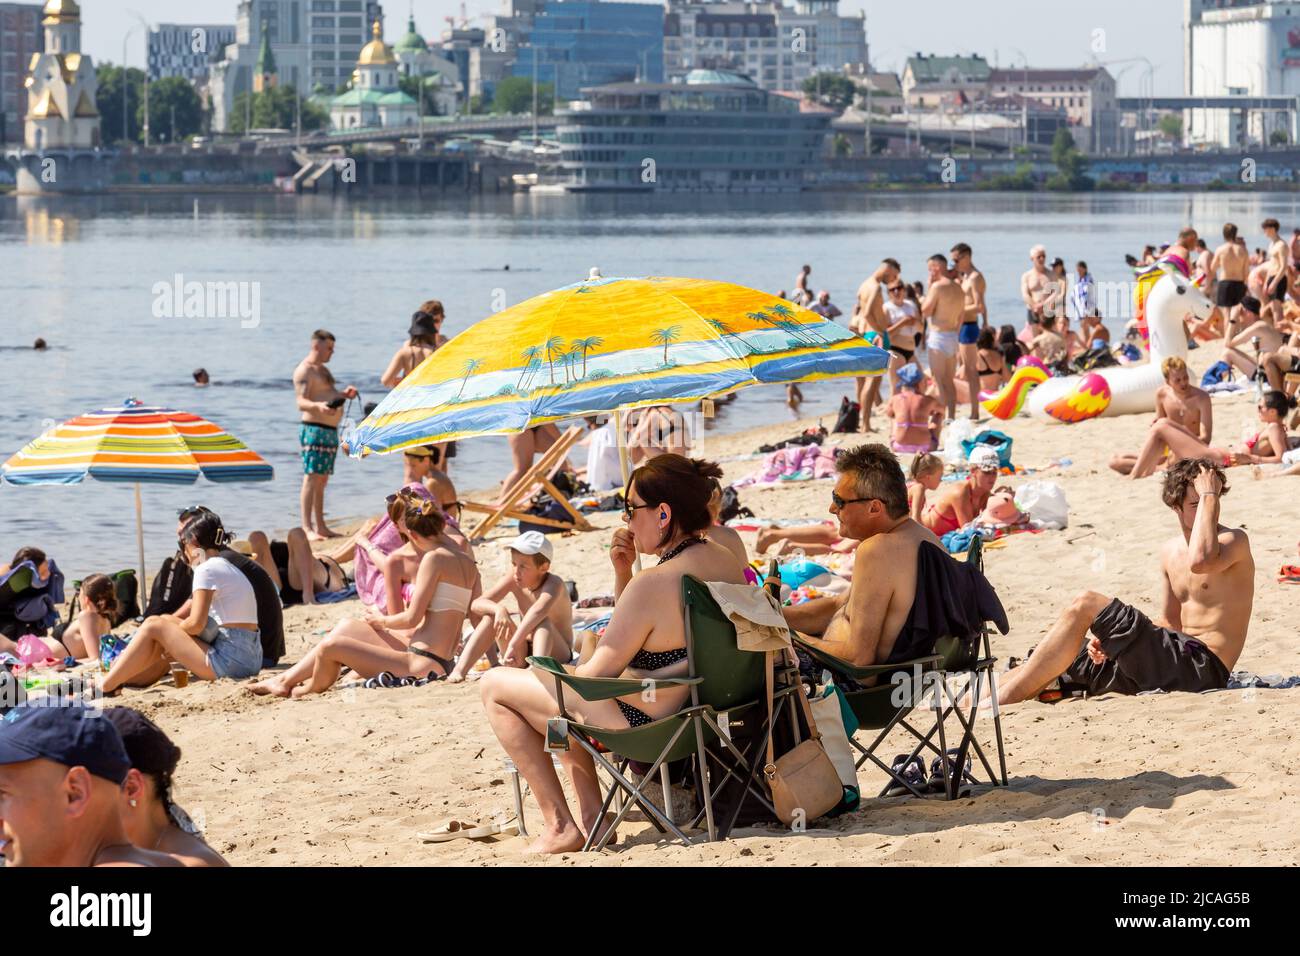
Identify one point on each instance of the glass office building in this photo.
(581, 43)
(716, 132)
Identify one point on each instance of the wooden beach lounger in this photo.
(540, 474)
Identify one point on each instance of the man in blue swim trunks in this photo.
(869, 321)
(975, 318)
(320, 404)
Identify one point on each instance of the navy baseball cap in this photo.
(72, 736)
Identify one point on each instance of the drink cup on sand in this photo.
(180, 675)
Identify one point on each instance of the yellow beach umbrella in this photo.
(604, 345)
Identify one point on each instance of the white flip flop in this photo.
(460, 830)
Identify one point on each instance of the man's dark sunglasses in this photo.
(840, 503)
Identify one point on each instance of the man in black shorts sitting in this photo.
(1208, 587)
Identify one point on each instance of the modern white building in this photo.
(776, 45)
(187, 49)
(1242, 48)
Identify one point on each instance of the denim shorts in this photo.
(235, 653)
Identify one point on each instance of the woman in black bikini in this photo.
(992, 368)
(667, 514)
(290, 563)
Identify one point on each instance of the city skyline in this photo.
(1128, 31)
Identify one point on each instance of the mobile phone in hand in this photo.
(337, 403)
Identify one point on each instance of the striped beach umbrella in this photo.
(605, 345)
(137, 444)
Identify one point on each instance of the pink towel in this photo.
(369, 579)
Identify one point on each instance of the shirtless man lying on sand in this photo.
(870, 501)
(1207, 586)
(1181, 404)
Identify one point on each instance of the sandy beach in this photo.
(350, 777)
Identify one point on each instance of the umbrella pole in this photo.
(139, 537)
(624, 464)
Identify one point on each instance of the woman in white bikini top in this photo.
(416, 642)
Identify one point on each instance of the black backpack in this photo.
(1100, 357)
(847, 420)
(171, 588)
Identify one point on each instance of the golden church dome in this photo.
(374, 53)
(61, 10)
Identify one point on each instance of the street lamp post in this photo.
(1024, 98)
(126, 126)
(148, 28)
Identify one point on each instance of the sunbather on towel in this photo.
(1208, 587)
(811, 539)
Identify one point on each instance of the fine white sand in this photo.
(351, 776)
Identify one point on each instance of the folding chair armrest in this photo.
(865, 673)
(604, 688)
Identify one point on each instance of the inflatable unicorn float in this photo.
(1125, 390)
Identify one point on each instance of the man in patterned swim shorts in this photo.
(320, 404)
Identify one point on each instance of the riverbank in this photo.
(350, 777)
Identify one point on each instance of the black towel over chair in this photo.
(953, 599)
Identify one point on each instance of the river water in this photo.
(85, 275)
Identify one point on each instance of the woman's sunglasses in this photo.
(630, 510)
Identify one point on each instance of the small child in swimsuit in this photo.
(913, 415)
(545, 628)
(927, 475)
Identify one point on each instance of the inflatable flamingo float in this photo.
(1133, 388)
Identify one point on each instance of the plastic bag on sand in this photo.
(963, 429)
(1045, 503)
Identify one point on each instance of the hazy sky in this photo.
(1048, 32)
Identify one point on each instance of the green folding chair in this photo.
(726, 689)
(923, 683)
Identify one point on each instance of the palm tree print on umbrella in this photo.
(470, 367)
(796, 329)
(727, 332)
(666, 337)
(532, 357)
(553, 347)
(587, 345)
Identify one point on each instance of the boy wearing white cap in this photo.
(545, 628)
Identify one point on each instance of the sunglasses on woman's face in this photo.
(630, 510)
